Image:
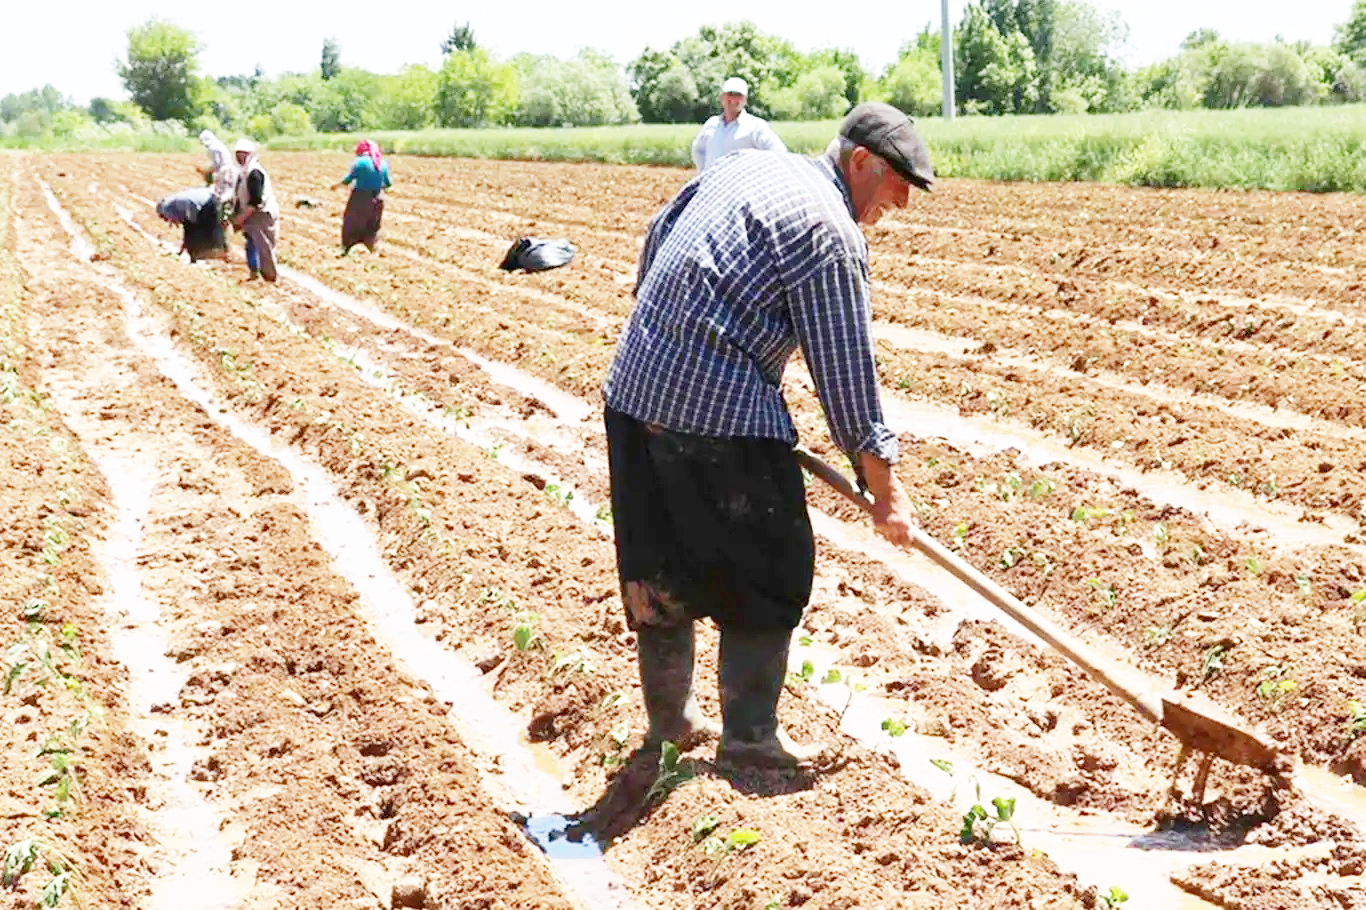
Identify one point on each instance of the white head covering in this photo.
(735, 85)
(245, 145)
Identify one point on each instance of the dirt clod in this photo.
(409, 892)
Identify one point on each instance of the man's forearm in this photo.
(891, 510)
(877, 475)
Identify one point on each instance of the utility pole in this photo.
(946, 58)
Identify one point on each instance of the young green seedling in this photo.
(893, 727)
(978, 823)
(1086, 513)
(1157, 635)
(617, 737)
(524, 634)
(1356, 718)
(559, 494)
(577, 661)
(673, 773)
(19, 859)
(1112, 898)
(1107, 593)
(1275, 685)
(736, 841)
(741, 839)
(703, 826)
(1214, 661)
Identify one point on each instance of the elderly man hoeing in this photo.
(757, 256)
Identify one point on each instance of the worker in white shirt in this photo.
(734, 128)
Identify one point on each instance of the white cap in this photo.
(735, 85)
(244, 145)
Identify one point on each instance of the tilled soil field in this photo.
(310, 589)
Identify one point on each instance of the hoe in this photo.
(1198, 728)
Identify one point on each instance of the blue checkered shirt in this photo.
(758, 255)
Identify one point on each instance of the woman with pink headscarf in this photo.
(365, 208)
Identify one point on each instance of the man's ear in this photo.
(860, 159)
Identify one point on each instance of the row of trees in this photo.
(1011, 57)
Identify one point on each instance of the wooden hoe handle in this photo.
(1147, 705)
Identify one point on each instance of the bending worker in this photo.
(365, 207)
(257, 211)
(733, 128)
(198, 211)
(755, 257)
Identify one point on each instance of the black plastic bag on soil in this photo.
(535, 255)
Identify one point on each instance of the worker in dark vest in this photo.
(200, 213)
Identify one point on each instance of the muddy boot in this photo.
(665, 654)
(753, 670)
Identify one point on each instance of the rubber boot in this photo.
(666, 655)
(753, 671)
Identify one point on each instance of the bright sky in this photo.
(74, 46)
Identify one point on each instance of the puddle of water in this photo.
(484, 725)
(1336, 794)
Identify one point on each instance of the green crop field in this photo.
(1317, 149)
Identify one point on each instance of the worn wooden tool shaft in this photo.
(1192, 725)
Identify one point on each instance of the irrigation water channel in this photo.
(484, 725)
(1101, 851)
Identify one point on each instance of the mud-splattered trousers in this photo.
(708, 527)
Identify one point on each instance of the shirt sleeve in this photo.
(385, 174)
(699, 146)
(660, 226)
(256, 186)
(832, 316)
(768, 140)
(351, 174)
